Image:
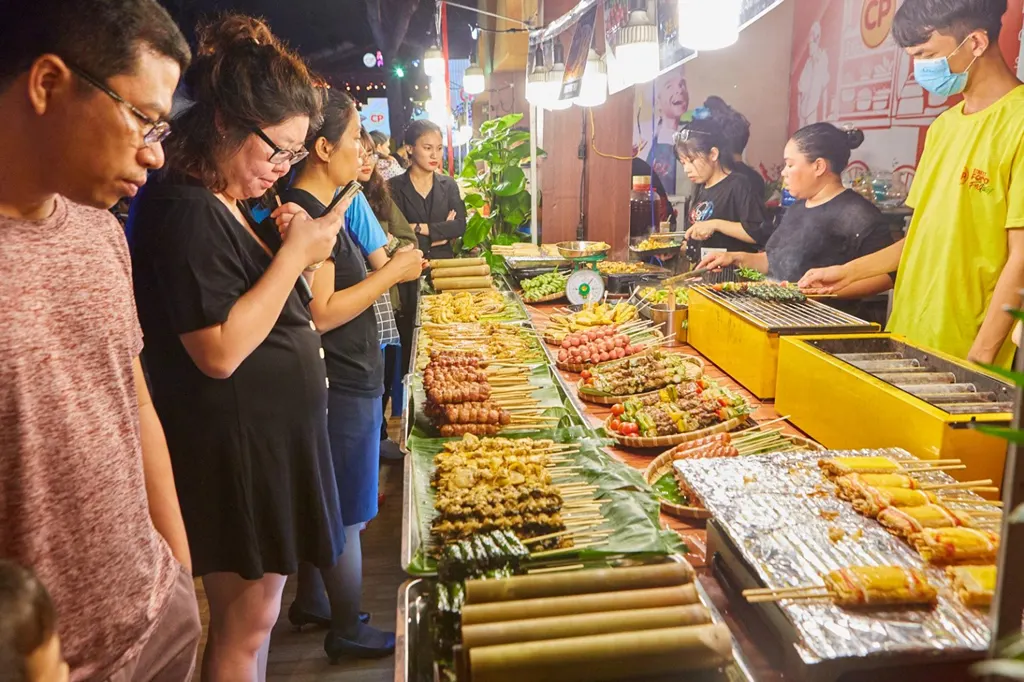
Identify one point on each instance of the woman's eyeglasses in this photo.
(281, 155)
(152, 131)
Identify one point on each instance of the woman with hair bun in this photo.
(828, 225)
(727, 215)
(234, 358)
(737, 131)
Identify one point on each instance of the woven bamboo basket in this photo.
(663, 464)
(697, 362)
(674, 439)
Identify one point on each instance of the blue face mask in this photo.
(935, 76)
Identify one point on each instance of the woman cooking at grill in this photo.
(727, 214)
(828, 225)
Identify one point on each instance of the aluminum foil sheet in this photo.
(780, 511)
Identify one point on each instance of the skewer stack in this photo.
(466, 394)
(857, 587)
(525, 486)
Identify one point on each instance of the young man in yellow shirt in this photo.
(962, 261)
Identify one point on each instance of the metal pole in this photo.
(489, 14)
(534, 235)
(1009, 598)
(447, 89)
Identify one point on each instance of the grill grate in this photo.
(937, 388)
(790, 318)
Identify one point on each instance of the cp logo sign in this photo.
(376, 118)
(876, 21)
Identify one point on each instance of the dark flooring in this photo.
(299, 656)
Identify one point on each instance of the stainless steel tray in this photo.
(529, 262)
(414, 657)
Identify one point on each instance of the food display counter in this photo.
(912, 398)
(610, 510)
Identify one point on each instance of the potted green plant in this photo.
(495, 186)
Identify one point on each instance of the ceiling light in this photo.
(708, 25)
(594, 88)
(473, 80)
(552, 100)
(536, 80)
(433, 63)
(637, 49)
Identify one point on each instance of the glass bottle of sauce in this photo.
(641, 214)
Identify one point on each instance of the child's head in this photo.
(29, 645)
(703, 149)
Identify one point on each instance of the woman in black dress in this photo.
(829, 225)
(727, 214)
(234, 358)
(343, 296)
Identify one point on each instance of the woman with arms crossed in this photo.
(342, 308)
(829, 225)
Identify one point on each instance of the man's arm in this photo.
(838, 277)
(998, 323)
(156, 465)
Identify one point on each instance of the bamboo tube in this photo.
(680, 595)
(561, 627)
(585, 582)
(449, 283)
(604, 658)
(440, 263)
(464, 271)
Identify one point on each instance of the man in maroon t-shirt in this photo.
(87, 496)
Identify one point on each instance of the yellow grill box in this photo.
(878, 390)
(740, 333)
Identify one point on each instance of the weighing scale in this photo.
(585, 284)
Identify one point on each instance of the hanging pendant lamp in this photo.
(637, 48)
(594, 88)
(709, 24)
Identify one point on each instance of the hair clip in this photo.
(701, 114)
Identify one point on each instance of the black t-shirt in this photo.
(732, 199)
(353, 349)
(836, 232)
(755, 179)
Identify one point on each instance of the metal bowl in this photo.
(582, 249)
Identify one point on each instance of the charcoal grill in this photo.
(740, 333)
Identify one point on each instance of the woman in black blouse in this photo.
(231, 350)
(727, 214)
(429, 200)
(343, 296)
(829, 225)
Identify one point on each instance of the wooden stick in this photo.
(555, 569)
(804, 596)
(939, 468)
(762, 425)
(982, 513)
(568, 550)
(969, 502)
(934, 462)
(779, 590)
(953, 486)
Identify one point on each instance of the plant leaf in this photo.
(505, 239)
(477, 230)
(1015, 377)
(513, 181)
(474, 200)
(1013, 670)
(1012, 435)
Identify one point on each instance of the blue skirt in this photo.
(354, 426)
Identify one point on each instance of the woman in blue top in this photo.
(343, 296)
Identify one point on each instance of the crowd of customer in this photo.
(240, 443)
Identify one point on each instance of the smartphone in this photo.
(351, 189)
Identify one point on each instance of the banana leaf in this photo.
(632, 509)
